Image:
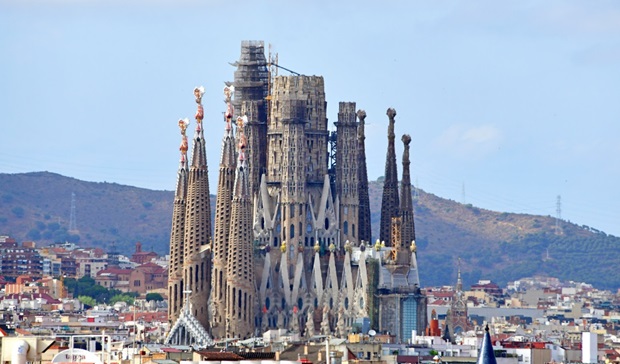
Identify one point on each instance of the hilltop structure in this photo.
(291, 229)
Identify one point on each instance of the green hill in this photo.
(491, 245)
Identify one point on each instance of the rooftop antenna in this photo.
(558, 216)
(72, 223)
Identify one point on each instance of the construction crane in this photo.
(272, 69)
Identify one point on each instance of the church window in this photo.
(345, 228)
(220, 284)
(292, 231)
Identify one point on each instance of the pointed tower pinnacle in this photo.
(457, 315)
(197, 257)
(487, 355)
(365, 231)
(222, 219)
(406, 202)
(175, 272)
(459, 281)
(347, 183)
(389, 201)
(240, 288)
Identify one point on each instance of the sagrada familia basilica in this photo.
(290, 245)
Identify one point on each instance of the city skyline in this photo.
(508, 105)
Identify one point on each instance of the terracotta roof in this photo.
(442, 294)
(113, 270)
(144, 253)
(149, 264)
(151, 268)
(171, 350)
(23, 332)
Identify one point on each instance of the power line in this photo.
(72, 219)
(558, 215)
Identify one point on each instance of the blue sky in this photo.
(509, 104)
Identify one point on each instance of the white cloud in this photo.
(469, 142)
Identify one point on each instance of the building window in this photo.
(136, 283)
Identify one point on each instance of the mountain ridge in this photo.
(492, 245)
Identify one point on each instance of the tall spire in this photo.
(457, 315)
(365, 229)
(197, 260)
(487, 355)
(251, 94)
(222, 219)
(175, 273)
(459, 281)
(389, 201)
(347, 183)
(406, 202)
(240, 286)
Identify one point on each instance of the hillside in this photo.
(491, 245)
(503, 246)
(37, 206)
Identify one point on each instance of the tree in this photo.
(122, 298)
(154, 297)
(87, 301)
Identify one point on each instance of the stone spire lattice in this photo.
(365, 229)
(389, 201)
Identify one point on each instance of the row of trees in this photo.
(91, 294)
